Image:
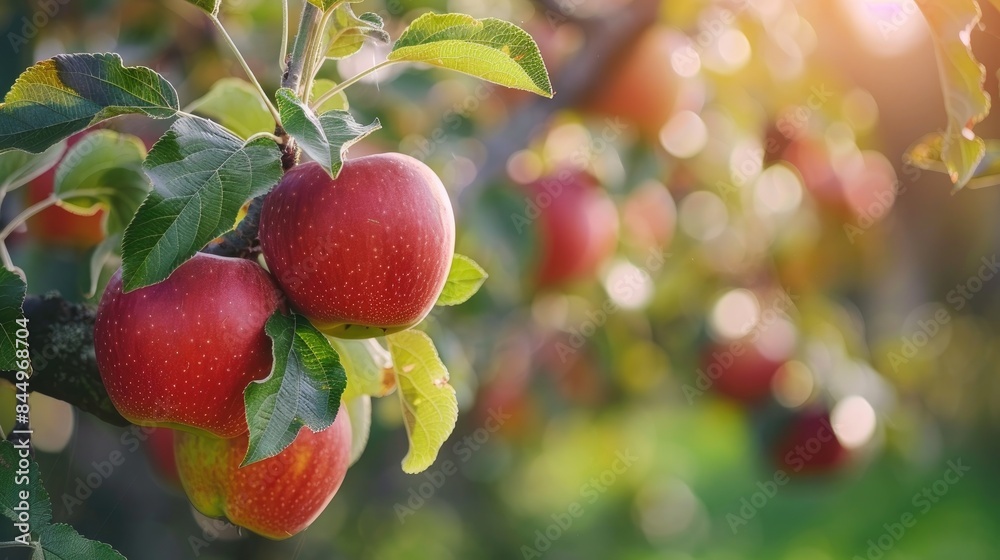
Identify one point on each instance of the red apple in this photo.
(743, 369)
(809, 445)
(577, 227)
(180, 353)
(277, 497)
(56, 226)
(366, 254)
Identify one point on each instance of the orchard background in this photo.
(741, 299)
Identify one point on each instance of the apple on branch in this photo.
(180, 353)
(365, 254)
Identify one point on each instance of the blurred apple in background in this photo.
(577, 226)
(644, 87)
(808, 444)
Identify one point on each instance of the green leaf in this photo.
(342, 132)
(490, 49)
(236, 105)
(18, 168)
(12, 290)
(304, 388)
(464, 280)
(62, 542)
(926, 154)
(110, 245)
(359, 409)
(201, 176)
(962, 78)
(103, 169)
(325, 138)
(65, 94)
(430, 406)
(39, 506)
(349, 32)
(336, 103)
(210, 6)
(368, 367)
(303, 125)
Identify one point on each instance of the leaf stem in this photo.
(260, 135)
(314, 53)
(24, 216)
(246, 67)
(349, 82)
(283, 57)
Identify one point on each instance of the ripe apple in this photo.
(180, 353)
(366, 254)
(740, 371)
(809, 445)
(643, 88)
(56, 226)
(577, 227)
(277, 497)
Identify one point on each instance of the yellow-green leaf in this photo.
(236, 105)
(926, 154)
(962, 77)
(336, 103)
(430, 406)
(368, 367)
(464, 280)
(491, 49)
(65, 94)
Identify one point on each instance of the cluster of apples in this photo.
(362, 255)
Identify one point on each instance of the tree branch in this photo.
(64, 365)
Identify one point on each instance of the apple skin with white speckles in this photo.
(180, 353)
(363, 255)
(277, 497)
